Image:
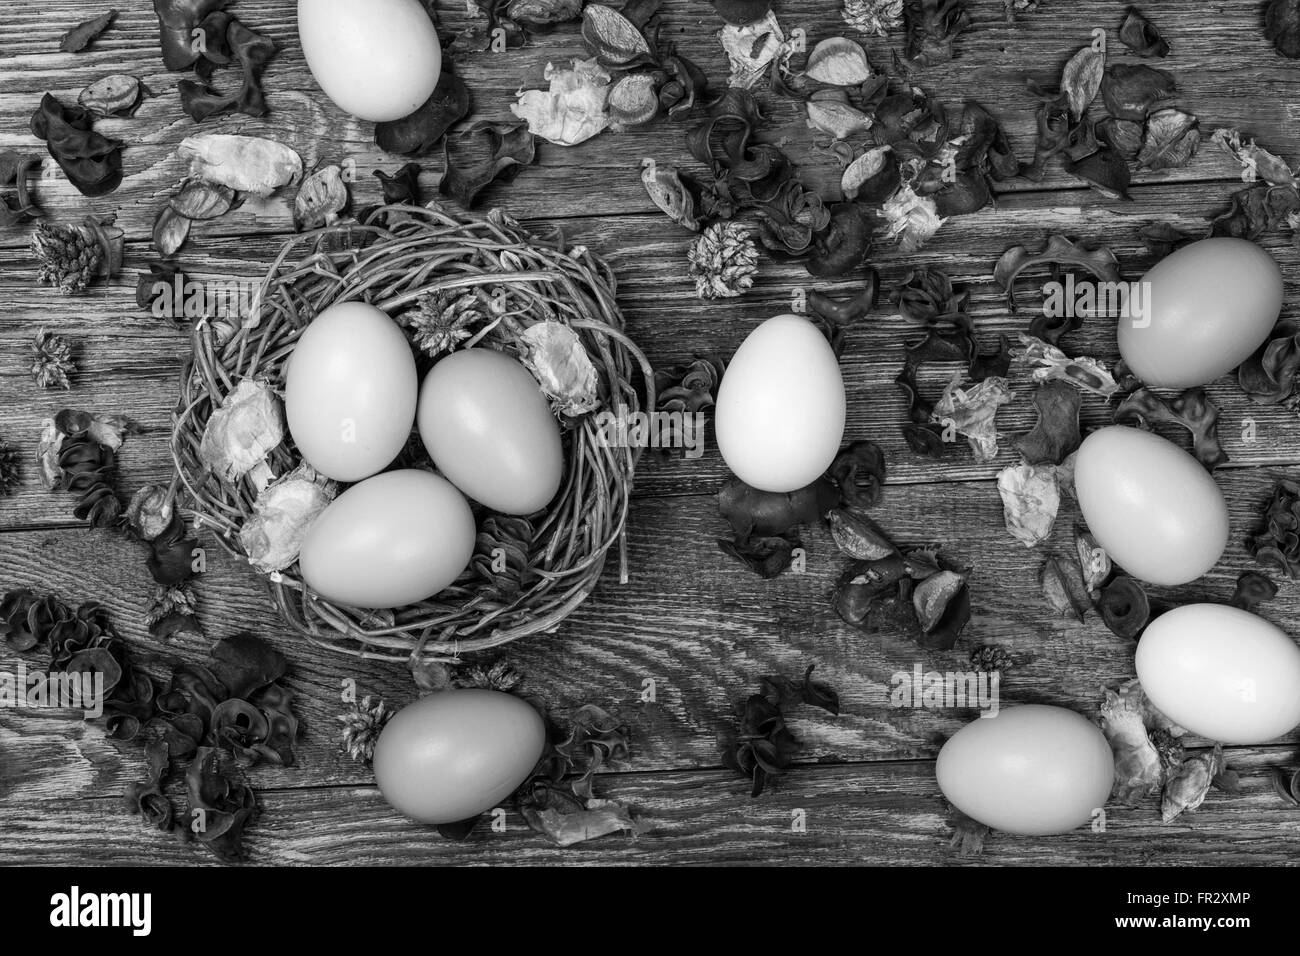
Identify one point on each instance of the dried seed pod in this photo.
(872, 177)
(838, 61)
(170, 230)
(633, 101)
(117, 95)
(199, 199)
(322, 196)
(858, 536)
(837, 117)
(669, 193)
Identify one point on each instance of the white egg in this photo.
(350, 391)
(376, 59)
(781, 408)
(1221, 673)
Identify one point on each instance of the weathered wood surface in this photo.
(697, 624)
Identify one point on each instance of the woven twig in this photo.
(398, 255)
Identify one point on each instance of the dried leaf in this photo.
(1171, 140)
(1081, 79)
(83, 34)
(247, 164)
(614, 39)
(667, 191)
(420, 132)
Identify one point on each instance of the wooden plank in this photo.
(1227, 74)
(865, 814)
(130, 361)
(692, 621)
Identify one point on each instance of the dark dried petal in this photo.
(858, 536)
(1131, 91)
(1105, 171)
(245, 663)
(1253, 589)
(1124, 607)
(512, 147)
(686, 86)
(765, 513)
(766, 556)
(1269, 375)
(92, 162)
(616, 41)
(402, 186)
(1278, 544)
(1141, 36)
(171, 554)
(221, 805)
(81, 36)
(177, 21)
(844, 245)
(1124, 137)
(1161, 238)
(932, 27)
(420, 132)
(1056, 433)
(200, 199)
(1282, 26)
(1192, 409)
(845, 311)
(942, 605)
(859, 473)
(1059, 251)
(170, 230)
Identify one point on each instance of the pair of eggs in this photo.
(352, 396)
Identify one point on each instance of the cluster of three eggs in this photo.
(352, 398)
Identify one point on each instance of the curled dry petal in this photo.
(858, 536)
(1170, 141)
(971, 409)
(1059, 580)
(614, 38)
(872, 177)
(1253, 589)
(1190, 782)
(422, 130)
(1131, 91)
(1192, 409)
(859, 472)
(1277, 544)
(1124, 607)
(177, 21)
(283, 512)
(573, 109)
(1141, 36)
(669, 193)
(1031, 498)
(942, 605)
(836, 117)
(555, 355)
(1269, 375)
(246, 164)
(763, 513)
(911, 219)
(150, 511)
(240, 434)
(1081, 79)
(1060, 251)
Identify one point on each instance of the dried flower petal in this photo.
(1141, 36)
(555, 355)
(932, 29)
(1190, 782)
(1278, 544)
(1253, 589)
(633, 101)
(92, 162)
(1059, 251)
(1049, 363)
(511, 147)
(1131, 91)
(1081, 79)
(911, 219)
(858, 536)
(1282, 26)
(321, 197)
(972, 410)
(118, 95)
(573, 109)
(1056, 433)
(1059, 580)
(667, 191)
(1124, 607)
(836, 117)
(284, 510)
(240, 434)
(247, 164)
(614, 38)
(422, 130)
(1192, 409)
(750, 50)
(1031, 498)
(198, 199)
(1139, 770)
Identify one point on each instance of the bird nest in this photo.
(396, 258)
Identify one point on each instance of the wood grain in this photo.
(882, 814)
(699, 626)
